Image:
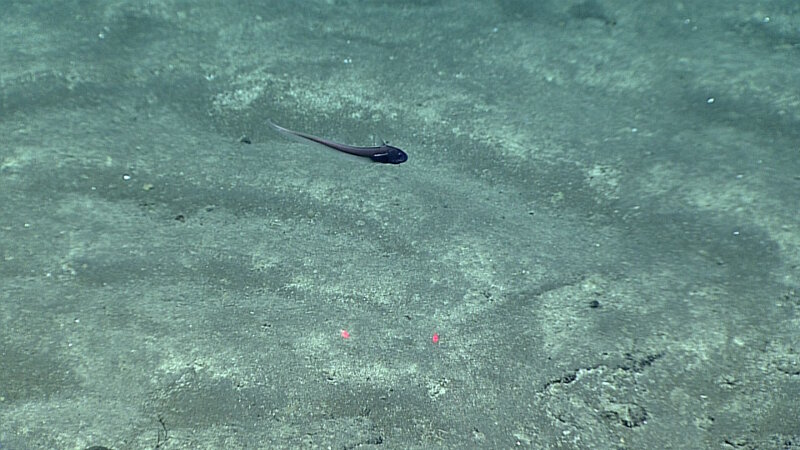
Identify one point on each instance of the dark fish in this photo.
(385, 154)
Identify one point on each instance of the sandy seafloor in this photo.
(599, 219)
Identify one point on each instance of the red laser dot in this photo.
(345, 334)
(435, 338)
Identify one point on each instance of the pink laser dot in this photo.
(435, 338)
(344, 334)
